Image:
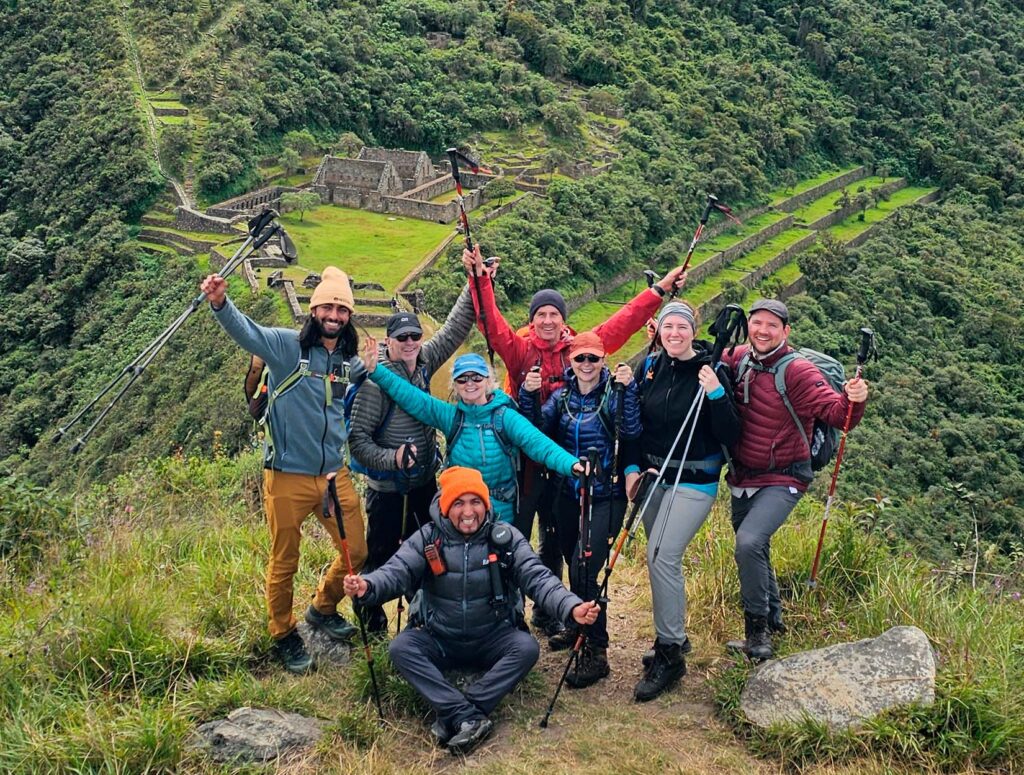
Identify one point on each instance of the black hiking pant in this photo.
(537, 491)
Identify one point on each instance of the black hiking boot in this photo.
(648, 656)
(563, 640)
(334, 625)
(759, 642)
(471, 733)
(776, 627)
(669, 666)
(541, 622)
(293, 655)
(591, 667)
(440, 733)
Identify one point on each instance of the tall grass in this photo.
(141, 615)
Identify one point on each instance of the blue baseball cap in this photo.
(470, 364)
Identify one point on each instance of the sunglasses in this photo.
(469, 378)
(587, 358)
(407, 337)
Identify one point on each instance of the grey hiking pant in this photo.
(755, 518)
(507, 654)
(668, 535)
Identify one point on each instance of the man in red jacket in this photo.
(546, 344)
(771, 465)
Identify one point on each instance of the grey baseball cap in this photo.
(774, 306)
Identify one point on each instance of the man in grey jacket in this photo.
(304, 440)
(398, 453)
(469, 569)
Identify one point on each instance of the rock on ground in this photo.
(256, 735)
(325, 650)
(845, 684)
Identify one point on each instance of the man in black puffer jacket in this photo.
(469, 569)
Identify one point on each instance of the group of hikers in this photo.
(571, 441)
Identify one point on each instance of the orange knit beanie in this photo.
(458, 481)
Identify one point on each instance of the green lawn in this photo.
(780, 195)
(757, 258)
(371, 247)
(826, 204)
(706, 250)
(852, 226)
(447, 196)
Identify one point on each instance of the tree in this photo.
(301, 141)
(348, 145)
(499, 188)
(290, 160)
(176, 147)
(788, 179)
(299, 201)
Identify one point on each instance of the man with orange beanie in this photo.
(470, 569)
(304, 440)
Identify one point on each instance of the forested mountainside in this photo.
(735, 98)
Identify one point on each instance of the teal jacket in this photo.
(477, 446)
(307, 421)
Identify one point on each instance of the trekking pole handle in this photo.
(867, 346)
(708, 207)
(650, 276)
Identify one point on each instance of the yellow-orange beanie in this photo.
(333, 288)
(458, 481)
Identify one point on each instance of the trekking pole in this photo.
(332, 505)
(867, 349)
(454, 157)
(590, 464)
(408, 460)
(260, 230)
(711, 204)
(619, 391)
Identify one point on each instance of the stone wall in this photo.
(432, 188)
(378, 176)
(167, 241)
(268, 262)
(187, 219)
(250, 203)
(414, 167)
(158, 111)
(753, 279)
(176, 240)
(799, 200)
(250, 276)
(837, 216)
(724, 224)
(701, 272)
(508, 207)
(573, 304)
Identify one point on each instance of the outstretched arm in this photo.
(511, 347)
(617, 330)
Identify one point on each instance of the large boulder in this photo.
(256, 735)
(846, 684)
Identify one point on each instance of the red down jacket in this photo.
(768, 437)
(521, 353)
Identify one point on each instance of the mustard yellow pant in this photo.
(289, 499)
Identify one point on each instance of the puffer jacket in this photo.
(307, 421)
(668, 389)
(520, 354)
(374, 448)
(477, 445)
(577, 422)
(769, 442)
(456, 606)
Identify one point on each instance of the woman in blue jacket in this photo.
(482, 428)
(582, 415)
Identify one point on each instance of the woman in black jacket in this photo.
(669, 387)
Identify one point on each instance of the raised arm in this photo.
(511, 347)
(617, 329)
(456, 328)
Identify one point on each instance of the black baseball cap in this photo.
(404, 323)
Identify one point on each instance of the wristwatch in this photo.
(658, 290)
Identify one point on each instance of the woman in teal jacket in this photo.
(482, 428)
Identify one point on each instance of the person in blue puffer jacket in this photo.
(582, 415)
(482, 428)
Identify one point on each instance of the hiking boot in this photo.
(668, 666)
(334, 624)
(648, 656)
(471, 733)
(440, 733)
(563, 640)
(759, 642)
(293, 655)
(776, 627)
(541, 622)
(591, 667)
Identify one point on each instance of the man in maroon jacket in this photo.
(771, 465)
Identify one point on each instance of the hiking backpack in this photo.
(824, 439)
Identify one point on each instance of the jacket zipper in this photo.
(323, 436)
(465, 582)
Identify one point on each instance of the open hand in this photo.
(370, 354)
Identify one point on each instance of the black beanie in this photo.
(545, 298)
